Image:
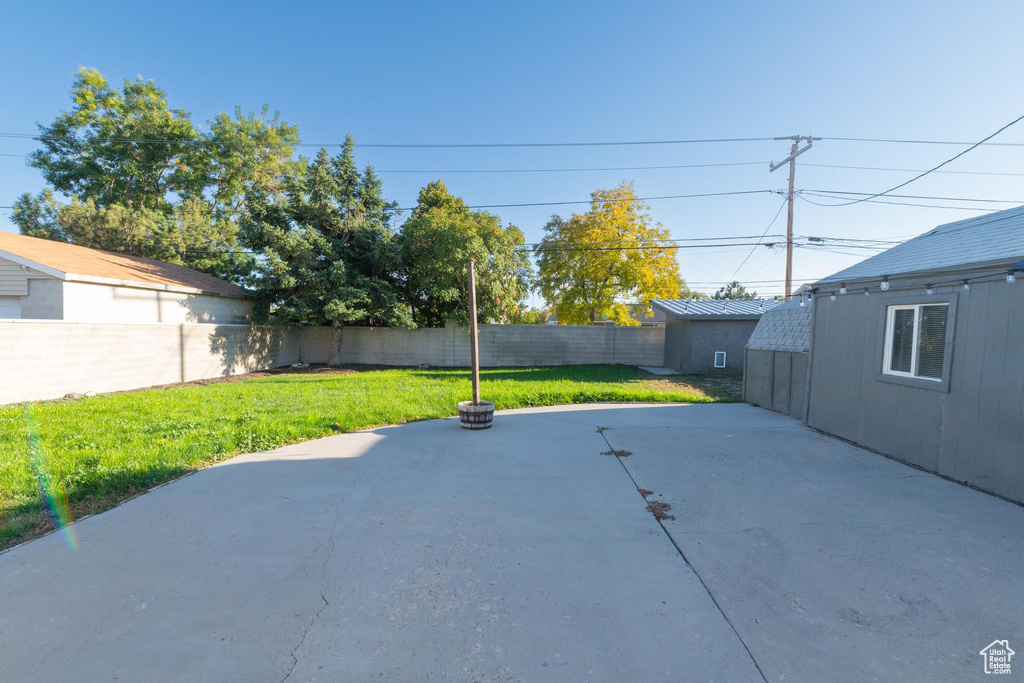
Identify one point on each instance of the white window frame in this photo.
(890, 316)
(715, 362)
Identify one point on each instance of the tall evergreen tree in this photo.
(326, 252)
(733, 290)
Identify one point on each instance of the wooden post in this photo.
(474, 349)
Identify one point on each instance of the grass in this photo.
(91, 453)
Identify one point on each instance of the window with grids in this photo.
(915, 341)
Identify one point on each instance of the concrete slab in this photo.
(422, 552)
(428, 552)
(658, 370)
(833, 563)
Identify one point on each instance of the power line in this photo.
(680, 239)
(597, 143)
(754, 248)
(642, 199)
(947, 161)
(802, 195)
(417, 145)
(570, 170)
(912, 170)
(585, 201)
(922, 142)
(916, 196)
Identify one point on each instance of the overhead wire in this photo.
(754, 248)
(944, 163)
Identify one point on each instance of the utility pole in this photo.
(793, 154)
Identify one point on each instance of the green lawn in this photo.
(75, 457)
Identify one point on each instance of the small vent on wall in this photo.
(719, 359)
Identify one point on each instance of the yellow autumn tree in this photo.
(601, 264)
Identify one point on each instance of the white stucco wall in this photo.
(98, 303)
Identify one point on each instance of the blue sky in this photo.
(550, 72)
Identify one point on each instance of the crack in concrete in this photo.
(326, 588)
(838, 525)
(601, 431)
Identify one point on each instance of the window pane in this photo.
(931, 347)
(902, 339)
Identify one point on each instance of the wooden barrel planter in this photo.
(475, 414)
(479, 416)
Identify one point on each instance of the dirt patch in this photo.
(617, 454)
(712, 386)
(645, 492)
(660, 510)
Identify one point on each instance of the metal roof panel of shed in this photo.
(714, 308)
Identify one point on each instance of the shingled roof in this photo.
(982, 240)
(75, 263)
(714, 308)
(784, 328)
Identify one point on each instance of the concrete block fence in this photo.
(48, 359)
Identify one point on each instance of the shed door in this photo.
(10, 307)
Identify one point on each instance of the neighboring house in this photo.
(928, 366)
(775, 367)
(707, 335)
(47, 280)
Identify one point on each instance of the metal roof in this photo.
(994, 237)
(784, 328)
(714, 308)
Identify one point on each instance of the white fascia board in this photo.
(22, 261)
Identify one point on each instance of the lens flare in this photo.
(56, 498)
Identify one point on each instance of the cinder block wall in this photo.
(48, 359)
(506, 345)
(43, 360)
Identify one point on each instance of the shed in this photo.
(917, 352)
(709, 335)
(775, 367)
(48, 280)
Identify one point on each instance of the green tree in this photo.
(120, 146)
(600, 264)
(144, 181)
(439, 239)
(534, 316)
(733, 290)
(327, 253)
(686, 293)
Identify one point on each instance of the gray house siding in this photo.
(775, 372)
(776, 380)
(690, 345)
(971, 430)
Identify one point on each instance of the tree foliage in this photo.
(534, 316)
(143, 180)
(328, 255)
(733, 290)
(590, 283)
(439, 239)
(686, 293)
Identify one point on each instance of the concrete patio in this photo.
(425, 552)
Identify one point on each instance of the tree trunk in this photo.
(334, 358)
